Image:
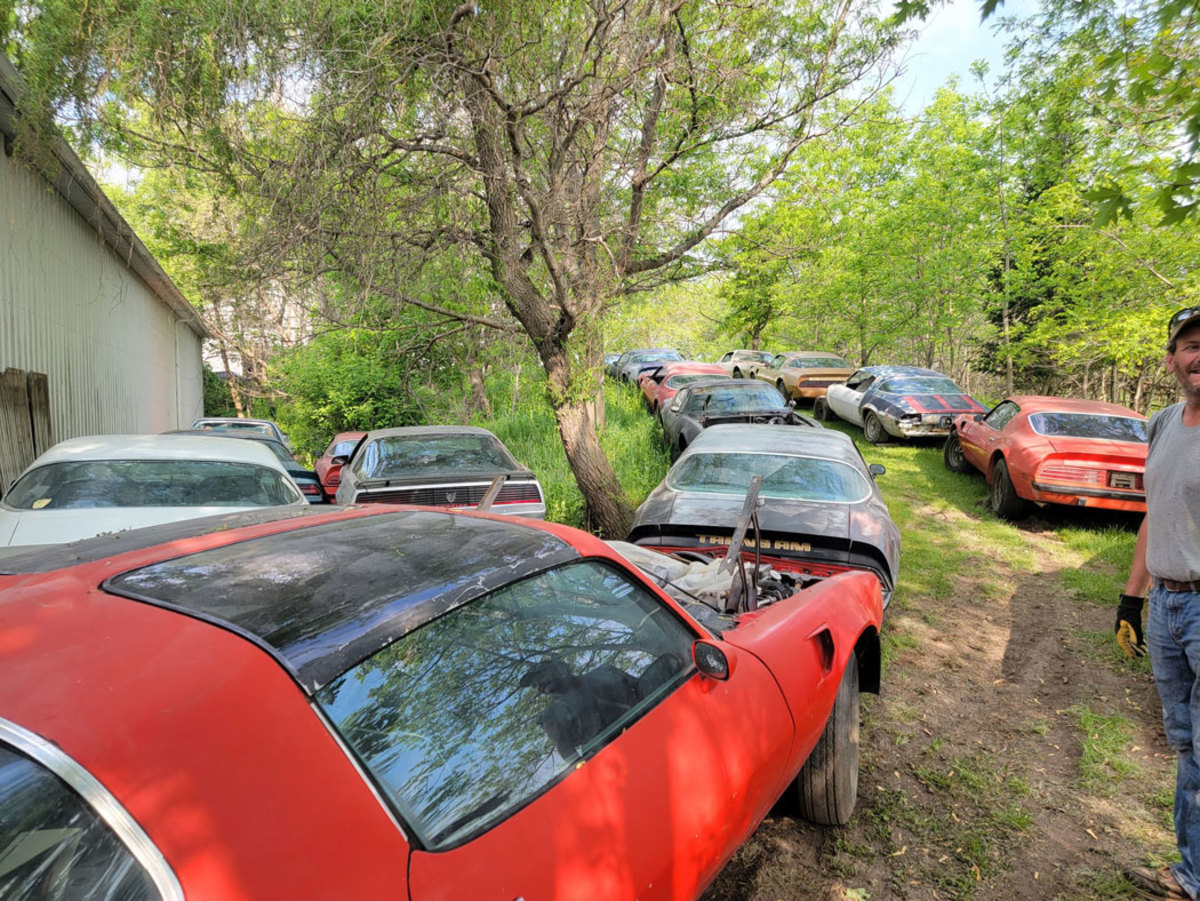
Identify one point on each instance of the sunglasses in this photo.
(1181, 317)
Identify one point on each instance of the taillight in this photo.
(1060, 472)
(310, 489)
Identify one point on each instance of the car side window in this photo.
(1002, 415)
(54, 846)
(472, 715)
(777, 362)
(695, 402)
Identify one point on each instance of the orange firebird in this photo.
(1054, 450)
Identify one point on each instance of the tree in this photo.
(555, 155)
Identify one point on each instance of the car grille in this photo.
(452, 495)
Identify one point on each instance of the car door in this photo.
(654, 812)
(980, 438)
(846, 399)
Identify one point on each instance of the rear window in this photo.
(1089, 425)
(818, 363)
(735, 399)
(255, 428)
(678, 381)
(150, 483)
(785, 477)
(424, 456)
(920, 386)
(467, 719)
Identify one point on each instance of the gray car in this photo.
(438, 466)
(633, 363)
(719, 400)
(819, 510)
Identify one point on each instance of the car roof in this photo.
(235, 420)
(752, 438)
(883, 371)
(157, 447)
(1042, 403)
(341, 586)
(420, 431)
(696, 387)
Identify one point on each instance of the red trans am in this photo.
(406, 703)
(329, 472)
(1054, 450)
(661, 384)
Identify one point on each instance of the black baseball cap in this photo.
(1185, 318)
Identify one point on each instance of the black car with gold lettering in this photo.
(818, 512)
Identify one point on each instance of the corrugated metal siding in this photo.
(118, 358)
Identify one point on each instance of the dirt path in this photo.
(979, 778)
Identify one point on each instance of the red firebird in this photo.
(407, 703)
(330, 473)
(660, 385)
(1054, 450)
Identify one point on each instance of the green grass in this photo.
(1106, 742)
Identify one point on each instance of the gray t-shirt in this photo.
(1173, 497)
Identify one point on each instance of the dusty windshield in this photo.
(1089, 425)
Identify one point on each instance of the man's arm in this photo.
(1139, 576)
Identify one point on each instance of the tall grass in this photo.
(523, 420)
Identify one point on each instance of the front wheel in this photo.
(1006, 503)
(821, 410)
(827, 785)
(952, 454)
(873, 429)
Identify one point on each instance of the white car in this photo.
(108, 483)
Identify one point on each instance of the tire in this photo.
(1006, 503)
(737, 374)
(873, 429)
(821, 410)
(952, 454)
(827, 785)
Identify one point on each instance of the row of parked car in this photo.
(292, 699)
(1031, 449)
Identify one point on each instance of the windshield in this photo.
(721, 401)
(150, 483)
(418, 457)
(931, 385)
(784, 476)
(471, 716)
(655, 355)
(761, 356)
(1089, 425)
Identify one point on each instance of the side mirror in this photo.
(877, 469)
(340, 460)
(712, 661)
(978, 417)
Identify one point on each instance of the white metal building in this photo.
(91, 328)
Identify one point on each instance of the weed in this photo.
(1106, 739)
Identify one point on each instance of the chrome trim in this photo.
(101, 800)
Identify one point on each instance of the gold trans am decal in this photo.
(779, 544)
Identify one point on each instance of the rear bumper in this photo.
(1101, 498)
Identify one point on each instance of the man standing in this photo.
(1166, 559)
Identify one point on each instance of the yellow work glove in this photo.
(1129, 626)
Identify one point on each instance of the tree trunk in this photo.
(610, 509)
(479, 399)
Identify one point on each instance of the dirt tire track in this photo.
(972, 782)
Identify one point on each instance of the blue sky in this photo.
(950, 40)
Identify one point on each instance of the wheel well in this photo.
(870, 661)
(998, 455)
